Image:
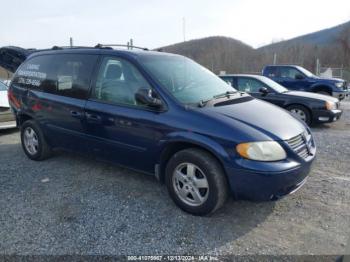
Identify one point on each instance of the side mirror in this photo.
(264, 91)
(144, 96)
(299, 77)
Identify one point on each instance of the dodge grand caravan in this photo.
(161, 114)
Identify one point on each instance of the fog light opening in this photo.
(323, 118)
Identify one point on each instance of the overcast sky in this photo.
(155, 23)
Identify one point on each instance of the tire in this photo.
(206, 168)
(301, 112)
(33, 141)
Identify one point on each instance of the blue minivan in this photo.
(161, 114)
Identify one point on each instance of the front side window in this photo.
(273, 85)
(186, 80)
(249, 85)
(60, 74)
(289, 72)
(118, 81)
(305, 72)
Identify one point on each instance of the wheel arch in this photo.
(174, 146)
(322, 87)
(302, 105)
(22, 117)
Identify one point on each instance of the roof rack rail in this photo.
(69, 47)
(117, 45)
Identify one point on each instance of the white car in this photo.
(7, 82)
(7, 119)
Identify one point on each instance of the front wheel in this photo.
(196, 181)
(300, 112)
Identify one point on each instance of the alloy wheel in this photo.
(299, 113)
(190, 184)
(31, 141)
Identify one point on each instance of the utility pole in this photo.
(274, 58)
(71, 41)
(317, 66)
(131, 43)
(184, 28)
(341, 71)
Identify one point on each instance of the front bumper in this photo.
(7, 125)
(326, 116)
(7, 119)
(265, 186)
(340, 94)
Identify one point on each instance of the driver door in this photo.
(288, 77)
(120, 130)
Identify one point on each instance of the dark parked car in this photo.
(7, 119)
(300, 79)
(309, 107)
(161, 114)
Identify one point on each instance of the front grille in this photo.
(345, 85)
(299, 146)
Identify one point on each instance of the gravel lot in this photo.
(73, 205)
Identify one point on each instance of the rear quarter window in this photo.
(60, 74)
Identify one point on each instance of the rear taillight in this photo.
(13, 101)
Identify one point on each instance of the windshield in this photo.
(188, 82)
(274, 85)
(305, 72)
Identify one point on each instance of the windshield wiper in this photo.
(227, 94)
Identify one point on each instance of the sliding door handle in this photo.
(76, 114)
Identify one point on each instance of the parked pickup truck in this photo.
(300, 79)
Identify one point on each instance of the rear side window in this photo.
(271, 71)
(228, 80)
(65, 74)
(249, 85)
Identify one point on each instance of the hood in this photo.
(3, 99)
(313, 96)
(11, 57)
(262, 116)
(330, 80)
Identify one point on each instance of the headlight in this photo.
(261, 151)
(330, 105)
(339, 84)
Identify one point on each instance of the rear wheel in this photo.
(33, 141)
(300, 112)
(196, 181)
